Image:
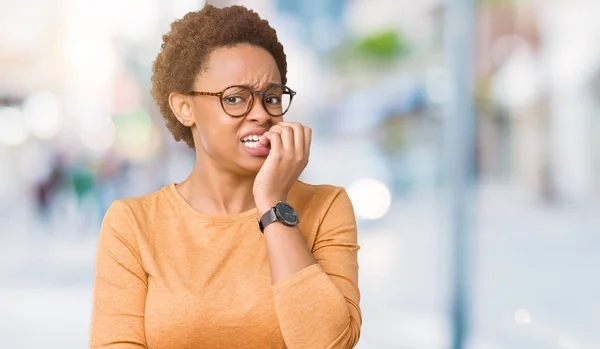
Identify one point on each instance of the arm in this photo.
(286, 250)
(317, 304)
(120, 284)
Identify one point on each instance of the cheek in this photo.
(218, 134)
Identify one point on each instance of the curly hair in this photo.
(186, 48)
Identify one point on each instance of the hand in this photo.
(290, 148)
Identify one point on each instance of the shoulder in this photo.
(316, 198)
(137, 207)
(322, 192)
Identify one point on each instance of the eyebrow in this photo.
(252, 86)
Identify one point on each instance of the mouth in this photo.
(252, 144)
(253, 141)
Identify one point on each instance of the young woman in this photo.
(241, 254)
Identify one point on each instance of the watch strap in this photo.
(267, 218)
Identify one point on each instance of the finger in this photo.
(287, 138)
(299, 140)
(286, 133)
(276, 146)
(266, 137)
(307, 139)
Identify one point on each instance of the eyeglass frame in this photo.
(219, 94)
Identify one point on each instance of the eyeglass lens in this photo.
(237, 100)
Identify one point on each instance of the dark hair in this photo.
(186, 48)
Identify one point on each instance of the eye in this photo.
(273, 100)
(234, 99)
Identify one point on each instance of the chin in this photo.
(252, 165)
(252, 160)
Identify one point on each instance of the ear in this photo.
(181, 106)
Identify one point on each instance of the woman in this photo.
(188, 266)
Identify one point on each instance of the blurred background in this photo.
(376, 79)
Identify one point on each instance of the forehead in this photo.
(239, 65)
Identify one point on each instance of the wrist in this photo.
(283, 213)
(263, 205)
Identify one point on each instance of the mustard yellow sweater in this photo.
(170, 277)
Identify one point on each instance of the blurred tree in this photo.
(383, 45)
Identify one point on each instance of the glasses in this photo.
(238, 100)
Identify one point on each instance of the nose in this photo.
(258, 113)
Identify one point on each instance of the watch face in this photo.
(286, 213)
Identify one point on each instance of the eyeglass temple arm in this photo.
(198, 93)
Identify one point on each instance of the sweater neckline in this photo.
(188, 210)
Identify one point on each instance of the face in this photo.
(218, 135)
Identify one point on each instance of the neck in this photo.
(214, 191)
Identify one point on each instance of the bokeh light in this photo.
(522, 317)
(135, 136)
(13, 130)
(99, 140)
(43, 114)
(370, 197)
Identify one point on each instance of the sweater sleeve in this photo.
(120, 284)
(318, 307)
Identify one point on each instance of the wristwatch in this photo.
(281, 212)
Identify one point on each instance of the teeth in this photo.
(251, 138)
(251, 144)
